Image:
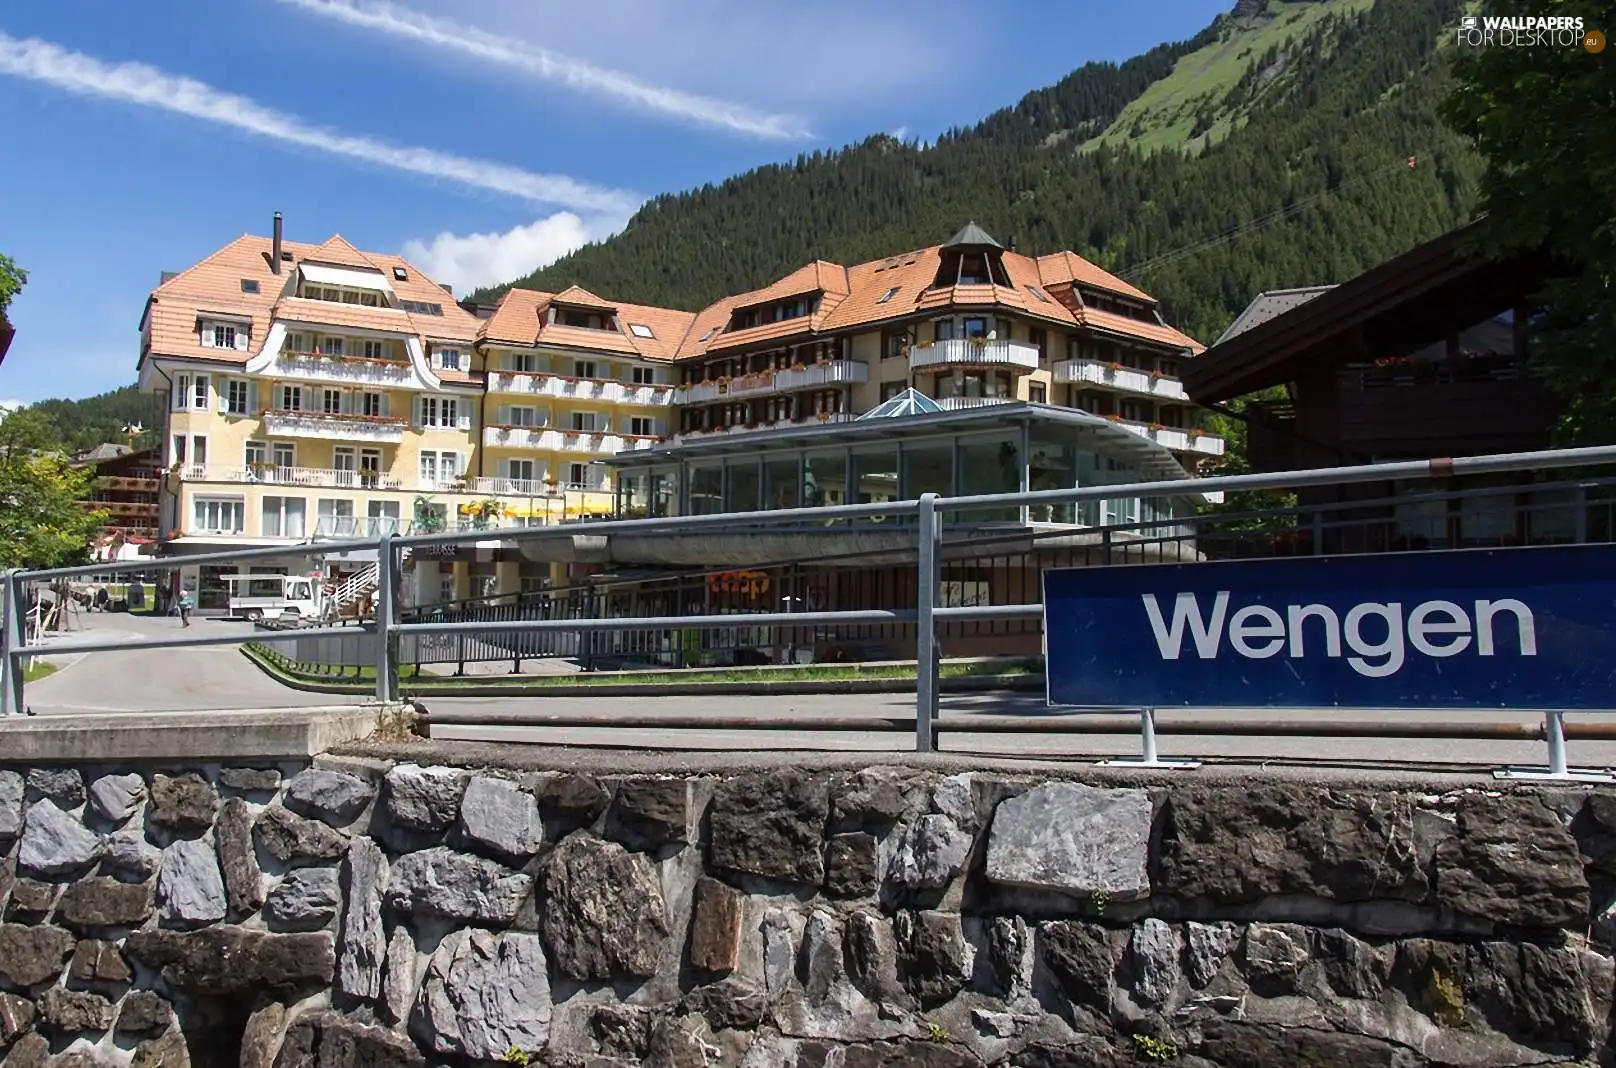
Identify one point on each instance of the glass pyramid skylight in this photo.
(909, 402)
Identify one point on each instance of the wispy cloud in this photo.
(471, 261)
(551, 66)
(136, 83)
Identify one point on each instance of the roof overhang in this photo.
(1109, 437)
(1417, 298)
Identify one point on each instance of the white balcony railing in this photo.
(810, 376)
(1127, 379)
(281, 422)
(974, 352)
(316, 477)
(779, 424)
(550, 439)
(527, 384)
(514, 487)
(358, 526)
(348, 370)
(1169, 437)
(518, 437)
(954, 404)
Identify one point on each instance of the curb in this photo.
(784, 688)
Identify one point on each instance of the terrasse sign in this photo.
(1507, 628)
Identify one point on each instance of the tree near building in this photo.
(12, 279)
(1542, 117)
(41, 522)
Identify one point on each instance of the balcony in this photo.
(779, 424)
(811, 376)
(955, 404)
(550, 439)
(345, 370)
(528, 384)
(129, 483)
(332, 426)
(974, 352)
(1126, 379)
(358, 526)
(514, 487)
(1170, 437)
(266, 474)
(518, 437)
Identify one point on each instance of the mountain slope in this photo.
(1357, 98)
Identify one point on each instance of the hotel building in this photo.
(319, 391)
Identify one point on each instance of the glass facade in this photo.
(903, 469)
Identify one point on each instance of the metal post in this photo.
(386, 602)
(1149, 757)
(925, 629)
(1554, 734)
(12, 607)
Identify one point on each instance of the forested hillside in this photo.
(1321, 123)
(84, 424)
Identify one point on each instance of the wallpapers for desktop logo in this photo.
(1528, 31)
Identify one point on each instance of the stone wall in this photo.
(355, 914)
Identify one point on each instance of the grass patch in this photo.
(416, 681)
(38, 669)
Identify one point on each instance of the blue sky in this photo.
(482, 138)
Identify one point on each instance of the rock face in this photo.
(331, 796)
(70, 1012)
(183, 802)
(715, 927)
(291, 839)
(932, 852)
(144, 1012)
(363, 941)
(933, 959)
(651, 813)
(306, 900)
(227, 959)
(1513, 863)
(850, 861)
(102, 902)
(65, 786)
(243, 879)
(605, 916)
(485, 994)
(32, 955)
(250, 780)
(16, 1017)
(327, 1039)
(441, 882)
(424, 799)
(95, 961)
(127, 856)
(11, 804)
(1073, 838)
(115, 798)
(772, 826)
(190, 889)
(54, 844)
(502, 818)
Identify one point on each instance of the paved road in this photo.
(218, 677)
(154, 680)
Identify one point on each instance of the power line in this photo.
(1259, 223)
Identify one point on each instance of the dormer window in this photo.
(581, 319)
(888, 295)
(217, 335)
(449, 359)
(641, 330)
(224, 337)
(249, 285)
(400, 275)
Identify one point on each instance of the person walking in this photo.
(185, 608)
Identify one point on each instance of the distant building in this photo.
(127, 487)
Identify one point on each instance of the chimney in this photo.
(275, 248)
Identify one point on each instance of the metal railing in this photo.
(922, 517)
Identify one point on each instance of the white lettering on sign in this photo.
(1377, 634)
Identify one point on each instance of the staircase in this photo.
(356, 586)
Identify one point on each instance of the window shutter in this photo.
(416, 406)
(387, 407)
(463, 418)
(207, 336)
(242, 339)
(220, 397)
(252, 398)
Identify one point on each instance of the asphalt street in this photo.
(219, 677)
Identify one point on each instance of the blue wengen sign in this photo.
(1476, 628)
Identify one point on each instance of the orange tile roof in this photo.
(1058, 267)
(214, 285)
(1122, 324)
(519, 316)
(516, 317)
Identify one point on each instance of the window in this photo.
(331, 346)
(888, 295)
(237, 398)
(583, 368)
(342, 459)
(199, 449)
(644, 376)
(370, 465)
(1040, 339)
(283, 517)
(373, 350)
(399, 275)
(439, 468)
(578, 476)
(182, 392)
(519, 470)
(199, 393)
(331, 401)
(1036, 393)
(284, 454)
(350, 297)
(522, 362)
(711, 330)
(439, 412)
(219, 336)
(335, 508)
(296, 343)
(256, 453)
(640, 330)
(421, 307)
(249, 285)
(218, 515)
(521, 415)
(177, 448)
(891, 389)
(944, 330)
(291, 399)
(1037, 294)
(583, 421)
(449, 359)
(642, 427)
(975, 327)
(373, 404)
(893, 345)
